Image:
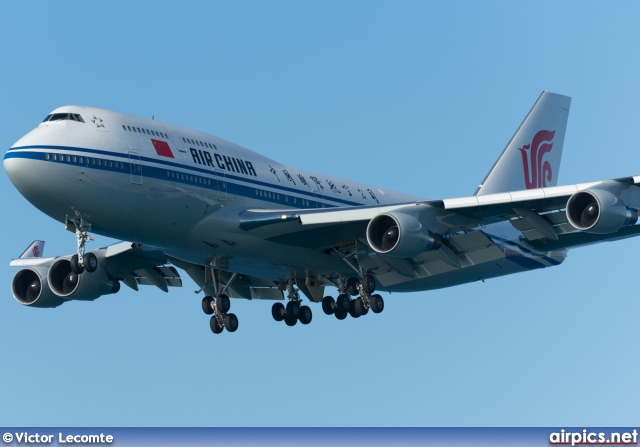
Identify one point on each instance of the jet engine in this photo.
(399, 234)
(88, 286)
(52, 285)
(598, 211)
(30, 287)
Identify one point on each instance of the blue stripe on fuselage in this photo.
(154, 172)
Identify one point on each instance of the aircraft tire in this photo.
(369, 284)
(352, 286)
(327, 305)
(377, 304)
(343, 303)
(215, 327)
(207, 307)
(223, 303)
(290, 321)
(115, 287)
(293, 309)
(360, 307)
(75, 267)
(305, 315)
(277, 311)
(352, 309)
(90, 262)
(341, 315)
(231, 322)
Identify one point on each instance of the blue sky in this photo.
(419, 97)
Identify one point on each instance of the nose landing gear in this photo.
(81, 261)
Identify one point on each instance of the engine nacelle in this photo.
(30, 288)
(399, 234)
(87, 286)
(599, 211)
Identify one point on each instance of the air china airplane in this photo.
(245, 226)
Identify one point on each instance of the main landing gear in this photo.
(343, 305)
(293, 311)
(219, 309)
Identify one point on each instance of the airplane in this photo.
(242, 225)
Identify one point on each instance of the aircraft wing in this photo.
(540, 214)
(49, 282)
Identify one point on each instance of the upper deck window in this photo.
(63, 116)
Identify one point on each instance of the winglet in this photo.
(35, 250)
(532, 157)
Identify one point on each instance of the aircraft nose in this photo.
(19, 170)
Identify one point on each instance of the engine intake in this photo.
(30, 288)
(599, 211)
(71, 286)
(399, 234)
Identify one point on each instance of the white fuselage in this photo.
(183, 191)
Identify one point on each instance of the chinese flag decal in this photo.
(162, 148)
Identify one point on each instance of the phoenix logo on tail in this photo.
(537, 173)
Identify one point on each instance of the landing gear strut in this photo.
(82, 261)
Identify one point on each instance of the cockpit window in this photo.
(63, 116)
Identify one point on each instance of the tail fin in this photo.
(35, 250)
(532, 157)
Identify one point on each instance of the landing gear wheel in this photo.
(341, 315)
(231, 322)
(352, 309)
(305, 315)
(290, 321)
(90, 262)
(377, 304)
(352, 286)
(360, 308)
(207, 305)
(293, 309)
(368, 284)
(215, 326)
(327, 305)
(223, 303)
(75, 267)
(343, 302)
(277, 311)
(115, 287)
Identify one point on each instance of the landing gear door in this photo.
(136, 168)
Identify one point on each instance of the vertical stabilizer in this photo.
(532, 157)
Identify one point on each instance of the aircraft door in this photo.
(176, 139)
(136, 168)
